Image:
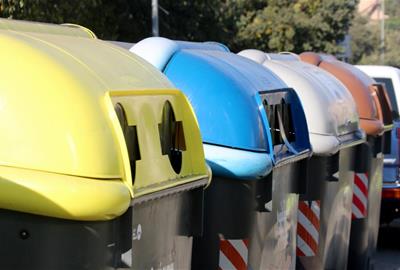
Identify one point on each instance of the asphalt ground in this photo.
(388, 255)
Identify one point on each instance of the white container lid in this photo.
(330, 110)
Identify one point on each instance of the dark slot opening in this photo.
(332, 167)
(172, 137)
(277, 129)
(270, 110)
(387, 113)
(131, 138)
(284, 110)
(392, 95)
(288, 121)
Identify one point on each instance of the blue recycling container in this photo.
(256, 142)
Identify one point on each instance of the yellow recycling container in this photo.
(101, 160)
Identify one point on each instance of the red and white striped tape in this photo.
(360, 196)
(233, 254)
(308, 224)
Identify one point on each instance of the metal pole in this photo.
(154, 17)
(382, 31)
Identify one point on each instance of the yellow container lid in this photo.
(57, 100)
(68, 29)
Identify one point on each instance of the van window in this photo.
(392, 95)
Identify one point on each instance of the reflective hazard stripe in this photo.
(360, 196)
(308, 224)
(233, 254)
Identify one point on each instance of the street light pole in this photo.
(382, 31)
(154, 18)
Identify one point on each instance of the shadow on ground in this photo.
(388, 255)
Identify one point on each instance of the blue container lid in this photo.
(234, 98)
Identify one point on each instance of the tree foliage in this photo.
(392, 9)
(365, 34)
(108, 19)
(285, 25)
(392, 55)
(271, 25)
(364, 41)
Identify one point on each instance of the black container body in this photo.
(44, 243)
(163, 230)
(364, 232)
(263, 213)
(152, 234)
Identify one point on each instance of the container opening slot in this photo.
(172, 137)
(385, 105)
(131, 138)
(284, 111)
(392, 95)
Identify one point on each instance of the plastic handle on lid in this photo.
(374, 94)
(283, 134)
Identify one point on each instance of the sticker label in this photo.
(137, 232)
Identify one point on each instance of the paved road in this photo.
(388, 256)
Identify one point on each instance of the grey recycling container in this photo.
(324, 223)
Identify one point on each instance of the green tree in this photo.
(297, 26)
(366, 37)
(272, 25)
(392, 9)
(189, 20)
(392, 54)
(364, 41)
(117, 19)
